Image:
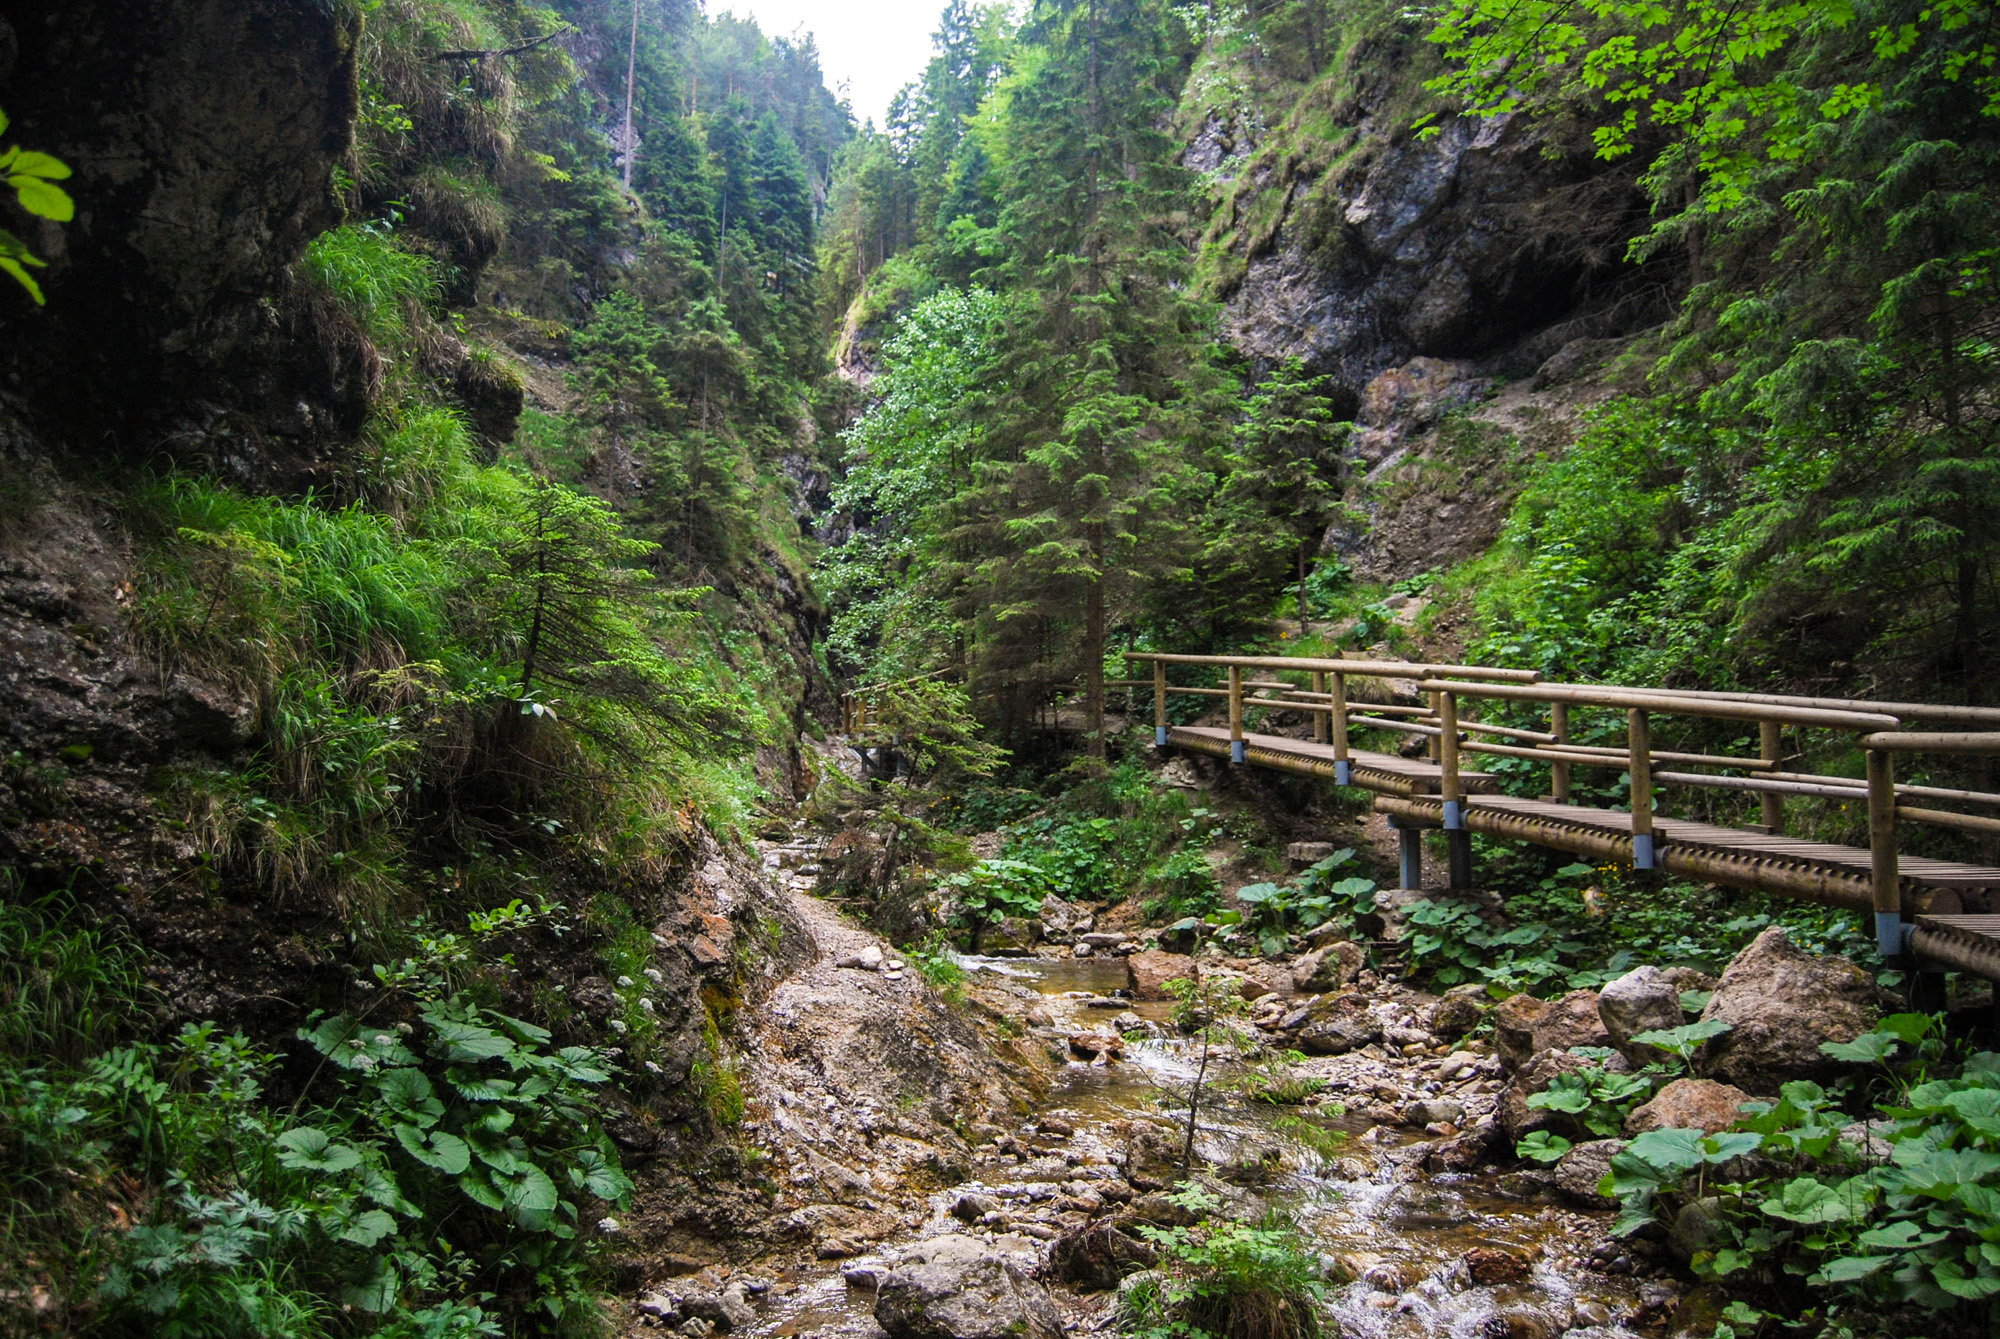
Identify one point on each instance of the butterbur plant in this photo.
(1905, 1211)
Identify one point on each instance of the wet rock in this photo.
(1147, 972)
(1689, 1104)
(1462, 1009)
(1593, 1315)
(1158, 1211)
(1524, 1027)
(1337, 1024)
(1097, 1046)
(1524, 1322)
(1057, 1126)
(1106, 939)
(1463, 1152)
(1038, 1017)
(1781, 1004)
(1014, 936)
(973, 1206)
(660, 1306)
(955, 1287)
(1516, 1116)
(1099, 1255)
(864, 1276)
(726, 1311)
(1583, 1168)
(1489, 1265)
(868, 959)
(1642, 1000)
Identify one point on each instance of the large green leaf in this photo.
(1668, 1150)
(309, 1149)
(1813, 1203)
(435, 1149)
(408, 1093)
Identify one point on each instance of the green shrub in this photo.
(1227, 1280)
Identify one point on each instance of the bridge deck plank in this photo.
(1921, 869)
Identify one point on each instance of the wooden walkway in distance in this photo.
(1940, 912)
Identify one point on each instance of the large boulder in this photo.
(1689, 1104)
(1780, 1004)
(1337, 1024)
(957, 1287)
(1148, 972)
(1014, 936)
(1329, 967)
(1642, 1000)
(1524, 1027)
(1462, 1009)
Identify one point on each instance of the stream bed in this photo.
(1412, 1254)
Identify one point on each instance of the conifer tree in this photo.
(1104, 362)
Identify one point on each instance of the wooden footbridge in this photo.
(1938, 912)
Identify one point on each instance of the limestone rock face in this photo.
(956, 1287)
(1689, 1104)
(203, 134)
(1781, 1004)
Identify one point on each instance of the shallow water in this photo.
(1400, 1240)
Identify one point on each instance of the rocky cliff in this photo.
(1462, 289)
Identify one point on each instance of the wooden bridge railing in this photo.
(1448, 691)
(861, 708)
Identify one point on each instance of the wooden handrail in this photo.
(1381, 669)
(1639, 699)
(1915, 742)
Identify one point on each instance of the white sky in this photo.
(875, 46)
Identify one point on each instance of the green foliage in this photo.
(1594, 1099)
(386, 289)
(1227, 1280)
(439, 1176)
(32, 176)
(1818, 1210)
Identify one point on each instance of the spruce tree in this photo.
(1104, 367)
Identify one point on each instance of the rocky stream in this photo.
(1394, 1158)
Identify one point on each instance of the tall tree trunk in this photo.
(1093, 646)
(626, 142)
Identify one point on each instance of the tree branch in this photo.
(476, 56)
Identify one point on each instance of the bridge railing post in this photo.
(1236, 713)
(1458, 840)
(1436, 741)
(1322, 722)
(1771, 748)
(1559, 770)
(1343, 765)
(1160, 703)
(1885, 883)
(1639, 741)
